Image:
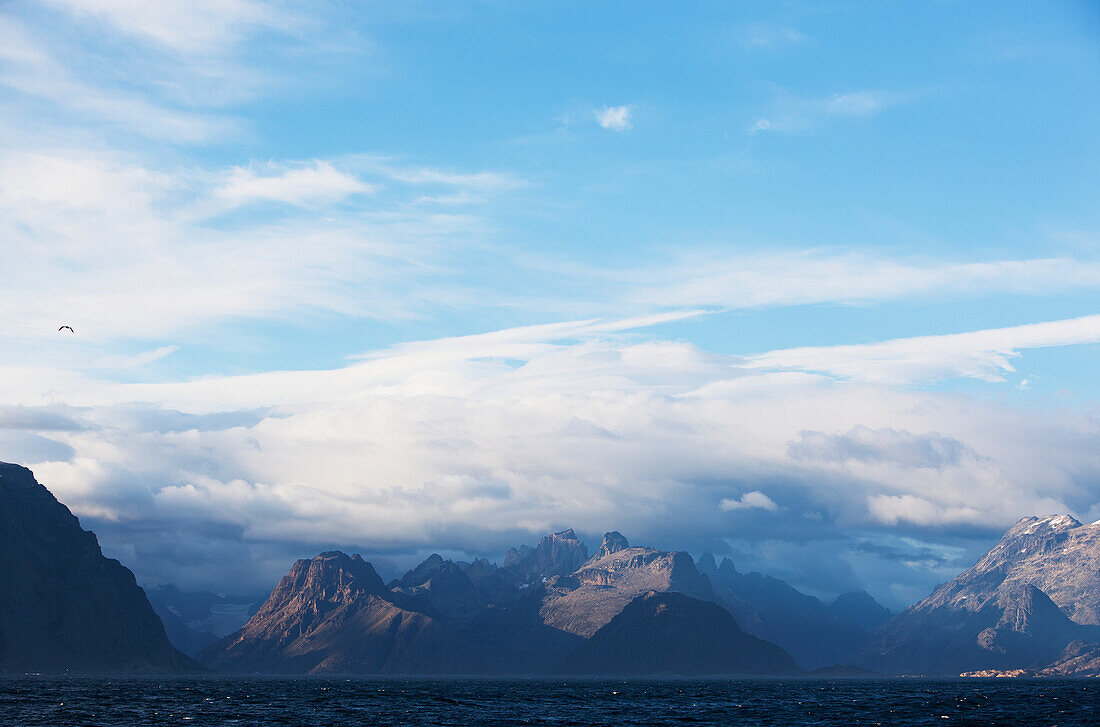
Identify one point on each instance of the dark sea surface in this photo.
(139, 701)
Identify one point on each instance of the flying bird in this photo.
(59, 330)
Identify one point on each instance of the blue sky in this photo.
(600, 265)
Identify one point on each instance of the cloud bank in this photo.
(476, 443)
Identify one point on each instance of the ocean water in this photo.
(139, 701)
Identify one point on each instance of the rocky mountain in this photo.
(1078, 659)
(442, 589)
(670, 633)
(63, 605)
(330, 614)
(998, 615)
(1056, 554)
(588, 598)
(816, 635)
(193, 621)
(333, 614)
(558, 554)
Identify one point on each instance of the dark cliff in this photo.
(63, 605)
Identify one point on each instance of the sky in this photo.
(813, 286)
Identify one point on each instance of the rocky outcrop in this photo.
(63, 605)
(613, 542)
(557, 554)
(590, 597)
(816, 635)
(1078, 659)
(670, 633)
(997, 615)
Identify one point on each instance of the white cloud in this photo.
(754, 500)
(860, 103)
(477, 442)
(182, 25)
(119, 250)
(615, 118)
(799, 277)
(119, 362)
(316, 182)
(984, 355)
(29, 67)
(793, 114)
(767, 36)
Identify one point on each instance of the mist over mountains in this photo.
(1029, 606)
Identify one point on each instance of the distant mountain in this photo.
(670, 633)
(997, 615)
(63, 605)
(442, 589)
(588, 598)
(333, 614)
(858, 610)
(193, 621)
(816, 635)
(557, 554)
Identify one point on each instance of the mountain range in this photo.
(1029, 606)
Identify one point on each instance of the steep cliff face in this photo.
(997, 614)
(670, 633)
(63, 606)
(557, 554)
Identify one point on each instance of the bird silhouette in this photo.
(59, 330)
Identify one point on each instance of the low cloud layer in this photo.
(474, 444)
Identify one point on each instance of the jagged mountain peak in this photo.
(425, 570)
(557, 554)
(706, 564)
(515, 556)
(1057, 554)
(587, 599)
(613, 541)
(1042, 526)
(332, 576)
